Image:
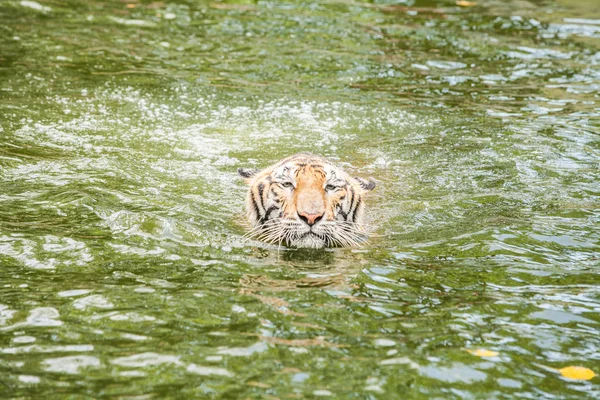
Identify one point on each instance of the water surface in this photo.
(125, 273)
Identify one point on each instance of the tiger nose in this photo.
(310, 219)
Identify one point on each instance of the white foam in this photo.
(93, 301)
(146, 359)
(206, 371)
(70, 364)
(35, 6)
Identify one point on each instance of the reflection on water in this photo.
(125, 270)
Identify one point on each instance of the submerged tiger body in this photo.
(306, 201)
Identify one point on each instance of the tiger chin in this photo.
(306, 201)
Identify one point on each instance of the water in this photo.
(124, 269)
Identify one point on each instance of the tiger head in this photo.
(306, 201)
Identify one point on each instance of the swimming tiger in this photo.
(306, 201)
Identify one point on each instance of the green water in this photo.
(124, 271)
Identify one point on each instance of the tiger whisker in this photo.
(271, 236)
(350, 237)
(258, 233)
(257, 229)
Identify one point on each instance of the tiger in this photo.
(305, 201)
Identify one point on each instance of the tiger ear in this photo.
(366, 184)
(247, 173)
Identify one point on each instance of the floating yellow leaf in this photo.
(483, 353)
(463, 3)
(580, 373)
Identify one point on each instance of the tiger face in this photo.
(305, 201)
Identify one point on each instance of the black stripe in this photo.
(352, 197)
(344, 215)
(275, 198)
(358, 204)
(255, 206)
(261, 195)
(267, 213)
(258, 204)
